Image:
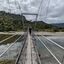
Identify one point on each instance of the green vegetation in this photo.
(12, 22)
(7, 61)
(4, 36)
(11, 40)
(42, 26)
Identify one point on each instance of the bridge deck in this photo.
(35, 50)
(31, 54)
(28, 57)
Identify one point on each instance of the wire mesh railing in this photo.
(11, 53)
(35, 47)
(22, 53)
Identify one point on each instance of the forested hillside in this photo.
(12, 22)
(9, 22)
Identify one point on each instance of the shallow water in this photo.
(58, 39)
(13, 51)
(3, 48)
(45, 56)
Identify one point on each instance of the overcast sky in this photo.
(51, 11)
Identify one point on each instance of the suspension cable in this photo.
(40, 5)
(8, 2)
(38, 12)
(17, 3)
(47, 8)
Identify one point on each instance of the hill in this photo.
(59, 25)
(13, 22)
(9, 22)
(42, 26)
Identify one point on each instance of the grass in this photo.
(7, 61)
(11, 40)
(4, 36)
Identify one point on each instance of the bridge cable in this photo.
(9, 9)
(47, 8)
(17, 3)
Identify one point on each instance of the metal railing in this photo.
(11, 53)
(21, 50)
(35, 47)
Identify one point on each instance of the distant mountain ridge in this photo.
(14, 22)
(59, 25)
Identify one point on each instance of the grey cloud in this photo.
(55, 9)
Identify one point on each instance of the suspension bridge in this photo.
(31, 48)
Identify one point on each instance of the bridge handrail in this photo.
(10, 46)
(20, 53)
(7, 38)
(38, 58)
